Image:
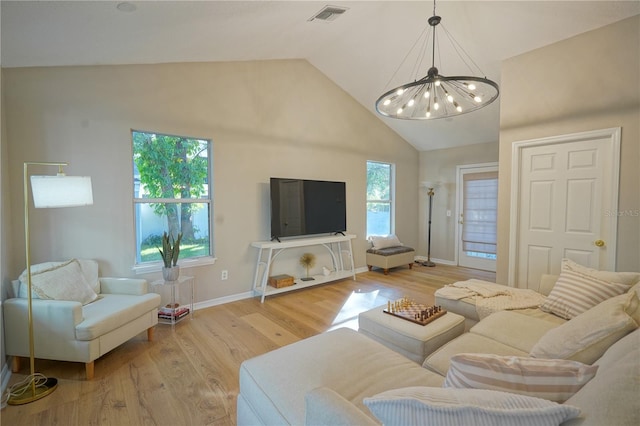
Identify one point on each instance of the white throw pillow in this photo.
(553, 379)
(579, 288)
(62, 281)
(380, 242)
(586, 337)
(448, 406)
(89, 269)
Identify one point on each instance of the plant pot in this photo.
(171, 274)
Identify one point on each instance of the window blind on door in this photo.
(480, 213)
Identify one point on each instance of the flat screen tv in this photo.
(307, 207)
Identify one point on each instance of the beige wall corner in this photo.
(441, 166)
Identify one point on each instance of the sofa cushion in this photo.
(352, 365)
(441, 406)
(552, 379)
(438, 361)
(324, 406)
(513, 329)
(580, 288)
(59, 281)
(465, 306)
(587, 336)
(112, 311)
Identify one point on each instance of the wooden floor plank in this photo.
(189, 376)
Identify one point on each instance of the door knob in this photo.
(599, 243)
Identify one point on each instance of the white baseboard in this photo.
(241, 296)
(222, 300)
(441, 261)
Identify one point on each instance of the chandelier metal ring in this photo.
(436, 96)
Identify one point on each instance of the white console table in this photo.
(268, 251)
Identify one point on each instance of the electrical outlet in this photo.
(448, 213)
(224, 275)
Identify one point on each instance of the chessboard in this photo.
(415, 312)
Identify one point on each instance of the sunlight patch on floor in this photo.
(356, 303)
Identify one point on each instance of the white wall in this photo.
(588, 82)
(272, 118)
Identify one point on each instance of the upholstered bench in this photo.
(414, 341)
(390, 257)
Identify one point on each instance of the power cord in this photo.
(23, 386)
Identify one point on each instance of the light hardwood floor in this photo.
(190, 376)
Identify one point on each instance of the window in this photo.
(380, 206)
(171, 193)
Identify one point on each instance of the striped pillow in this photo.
(577, 291)
(552, 379)
(448, 407)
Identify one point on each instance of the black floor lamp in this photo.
(430, 186)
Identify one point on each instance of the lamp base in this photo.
(25, 394)
(428, 263)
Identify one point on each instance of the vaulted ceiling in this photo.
(360, 50)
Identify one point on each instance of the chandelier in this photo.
(437, 96)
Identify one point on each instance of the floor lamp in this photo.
(430, 193)
(48, 192)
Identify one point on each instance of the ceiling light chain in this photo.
(437, 96)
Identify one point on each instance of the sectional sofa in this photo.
(345, 378)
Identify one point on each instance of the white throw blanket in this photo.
(491, 297)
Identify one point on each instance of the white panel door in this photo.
(565, 187)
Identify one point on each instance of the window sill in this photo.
(148, 268)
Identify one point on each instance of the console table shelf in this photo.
(268, 251)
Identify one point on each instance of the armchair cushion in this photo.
(61, 281)
(131, 286)
(113, 311)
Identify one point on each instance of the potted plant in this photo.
(169, 253)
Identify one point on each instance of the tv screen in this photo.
(307, 207)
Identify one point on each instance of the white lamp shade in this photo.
(430, 184)
(61, 191)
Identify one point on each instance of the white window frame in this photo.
(156, 266)
(391, 201)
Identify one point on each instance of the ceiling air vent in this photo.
(328, 13)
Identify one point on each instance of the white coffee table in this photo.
(414, 341)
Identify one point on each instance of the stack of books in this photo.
(174, 312)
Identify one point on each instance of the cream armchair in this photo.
(83, 330)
